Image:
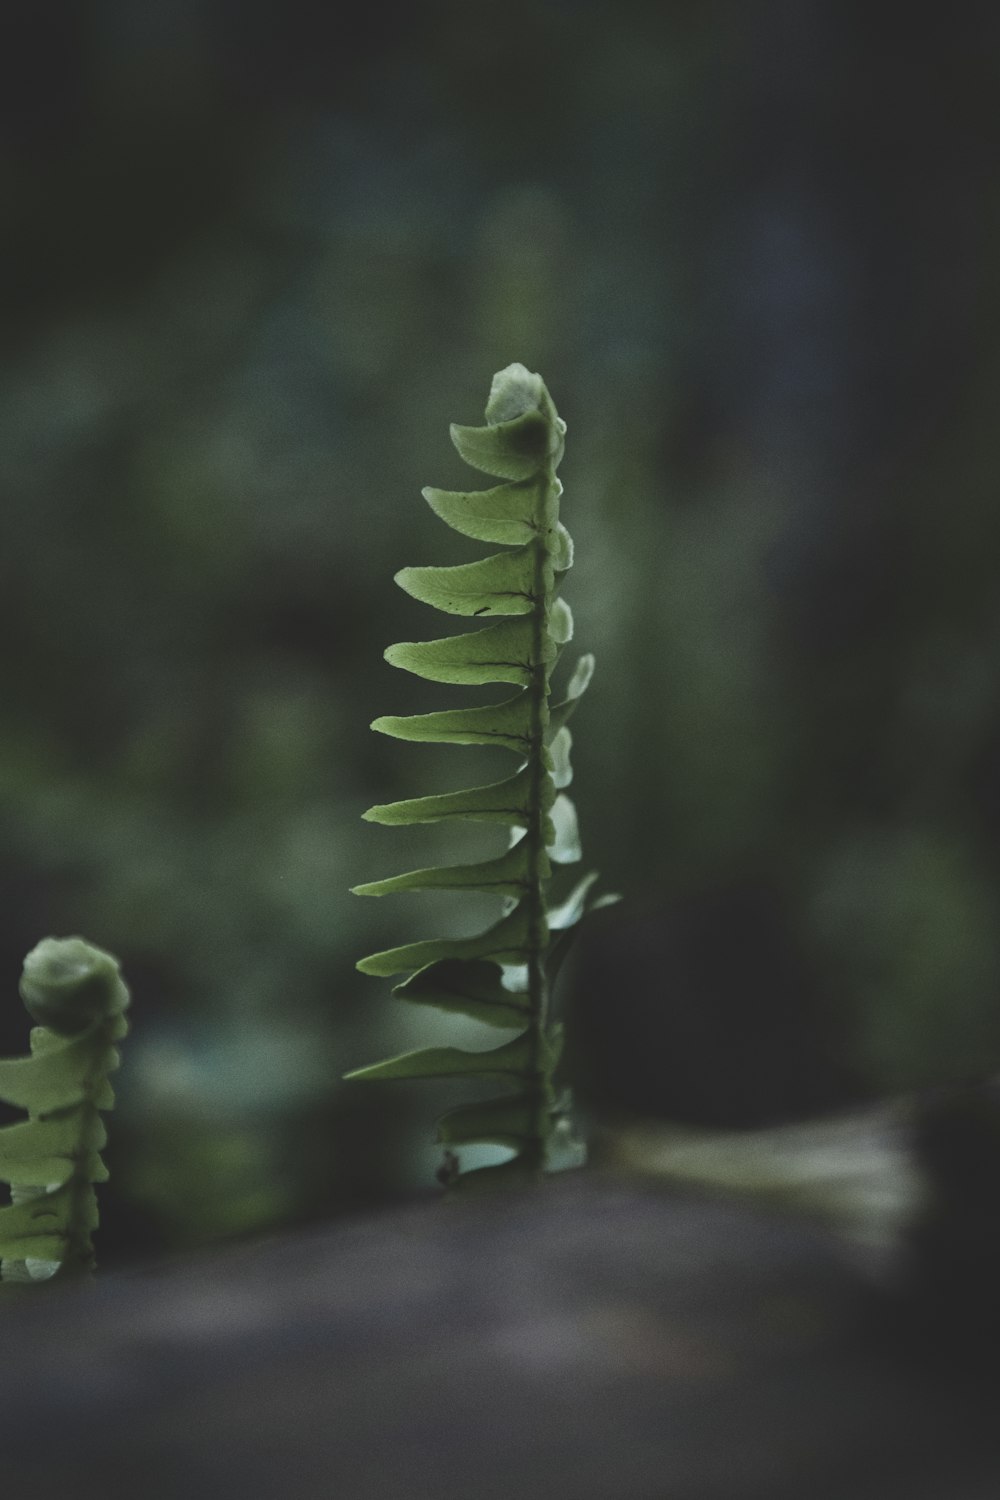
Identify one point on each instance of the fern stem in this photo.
(538, 989)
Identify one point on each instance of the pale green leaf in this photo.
(505, 583)
(37, 1243)
(499, 653)
(559, 754)
(56, 1077)
(560, 622)
(582, 673)
(571, 911)
(510, 513)
(512, 1060)
(505, 876)
(560, 545)
(507, 724)
(467, 987)
(564, 846)
(509, 450)
(39, 1226)
(508, 1121)
(500, 802)
(507, 942)
(44, 1150)
(578, 684)
(515, 390)
(510, 1175)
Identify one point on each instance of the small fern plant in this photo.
(52, 1159)
(503, 977)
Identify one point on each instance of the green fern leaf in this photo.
(564, 845)
(509, 450)
(507, 876)
(507, 724)
(52, 1159)
(501, 977)
(578, 685)
(469, 987)
(513, 1060)
(506, 942)
(509, 1121)
(507, 514)
(508, 583)
(507, 802)
(504, 652)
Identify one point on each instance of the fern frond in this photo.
(502, 977)
(52, 1159)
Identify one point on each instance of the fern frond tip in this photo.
(67, 984)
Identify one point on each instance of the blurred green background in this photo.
(257, 257)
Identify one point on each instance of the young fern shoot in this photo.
(504, 976)
(51, 1160)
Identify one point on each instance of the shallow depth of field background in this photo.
(256, 257)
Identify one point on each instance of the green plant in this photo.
(504, 976)
(51, 1160)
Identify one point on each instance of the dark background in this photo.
(255, 258)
